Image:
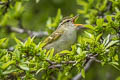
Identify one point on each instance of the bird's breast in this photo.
(64, 42)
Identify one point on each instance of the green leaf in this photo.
(7, 64)
(83, 73)
(90, 27)
(98, 37)
(65, 51)
(112, 43)
(102, 63)
(103, 6)
(18, 41)
(4, 20)
(79, 50)
(114, 63)
(116, 57)
(39, 70)
(17, 54)
(18, 6)
(9, 71)
(49, 22)
(74, 47)
(117, 9)
(24, 66)
(33, 38)
(81, 53)
(18, 9)
(81, 2)
(100, 22)
(115, 66)
(41, 45)
(106, 40)
(2, 41)
(90, 35)
(48, 52)
(109, 18)
(51, 53)
(28, 41)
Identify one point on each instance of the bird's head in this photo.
(70, 22)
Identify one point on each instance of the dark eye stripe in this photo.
(64, 21)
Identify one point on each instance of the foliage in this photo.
(27, 60)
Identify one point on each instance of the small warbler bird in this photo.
(64, 36)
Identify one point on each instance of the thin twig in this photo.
(55, 66)
(58, 65)
(62, 62)
(68, 62)
(50, 62)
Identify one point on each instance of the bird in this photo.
(64, 36)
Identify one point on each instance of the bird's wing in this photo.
(54, 36)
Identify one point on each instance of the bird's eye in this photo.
(67, 20)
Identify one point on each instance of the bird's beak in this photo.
(78, 26)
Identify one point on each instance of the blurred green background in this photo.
(36, 15)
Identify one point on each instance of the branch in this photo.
(87, 64)
(21, 31)
(58, 65)
(89, 59)
(30, 33)
(39, 34)
(62, 62)
(79, 76)
(55, 66)
(50, 62)
(68, 62)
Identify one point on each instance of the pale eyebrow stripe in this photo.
(63, 22)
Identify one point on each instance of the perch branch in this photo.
(55, 66)
(58, 65)
(31, 33)
(87, 65)
(62, 62)
(79, 76)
